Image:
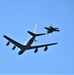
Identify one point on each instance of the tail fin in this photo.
(35, 28)
(34, 34)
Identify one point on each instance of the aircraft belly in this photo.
(30, 42)
(20, 52)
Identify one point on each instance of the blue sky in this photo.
(19, 16)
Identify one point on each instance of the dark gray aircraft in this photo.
(27, 45)
(51, 29)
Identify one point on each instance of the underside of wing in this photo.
(32, 47)
(14, 42)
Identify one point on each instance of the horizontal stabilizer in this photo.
(47, 28)
(33, 34)
(40, 34)
(57, 30)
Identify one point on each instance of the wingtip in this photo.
(45, 27)
(28, 31)
(44, 33)
(3, 35)
(56, 43)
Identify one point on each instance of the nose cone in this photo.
(20, 52)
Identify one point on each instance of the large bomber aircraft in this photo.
(27, 45)
(51, 29)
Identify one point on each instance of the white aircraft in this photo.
(27, 46)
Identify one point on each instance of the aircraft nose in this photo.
(19, 53)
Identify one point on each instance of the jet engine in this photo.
(13, 47)
(45, 49)
(7, 43)
(36, 50)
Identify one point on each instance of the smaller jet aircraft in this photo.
(27, 45)
(51, 29)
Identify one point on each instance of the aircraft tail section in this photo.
(57, 30)
(35, 28)
(40, 34)
(46, 28)
(33, 34)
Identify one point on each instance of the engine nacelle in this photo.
(13, 47)
(36, 50)
(45, 49)
(7, 43)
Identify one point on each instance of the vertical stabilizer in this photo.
(35, 28)
(34, 33)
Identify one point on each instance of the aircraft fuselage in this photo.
(27, 46)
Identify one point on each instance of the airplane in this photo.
(51, 29)
(27, 45)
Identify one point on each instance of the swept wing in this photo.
(14, 42)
